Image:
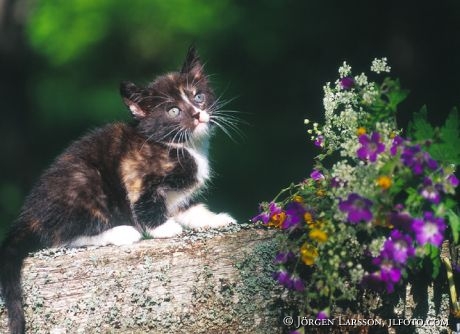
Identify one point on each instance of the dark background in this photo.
(61, 63)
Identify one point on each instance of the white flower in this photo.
(370, 94)
(376, 246)
(344, 70)
(329, 99)
(343, 172)
(357, 274)
(361, 80)
(380, 65)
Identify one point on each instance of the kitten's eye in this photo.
(174, 112)
(199, 98)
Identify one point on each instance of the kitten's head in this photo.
(175, 107)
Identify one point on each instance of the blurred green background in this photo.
(61, 62)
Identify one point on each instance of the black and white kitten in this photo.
(122, 180)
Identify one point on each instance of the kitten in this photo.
(122, 180)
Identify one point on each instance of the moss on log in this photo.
(217, 281)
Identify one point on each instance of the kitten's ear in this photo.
(131, 95)
(192, 64)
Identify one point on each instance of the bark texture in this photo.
(218, 281)
(201, 282)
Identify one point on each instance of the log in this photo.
(215, 281)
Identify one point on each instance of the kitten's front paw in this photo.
(118, 236)
(122, 235)
(199, 217)
(219, 220)
(167, 230)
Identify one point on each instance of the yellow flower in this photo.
(308, 218)
(308, 254)
(384, 182)
(321, 193)
(298, 199)
(318, 235)
(277, 219)
(361, 131)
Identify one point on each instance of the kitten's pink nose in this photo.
(201, 116)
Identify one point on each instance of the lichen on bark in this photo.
(215, 280)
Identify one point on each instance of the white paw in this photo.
(222, 219)
(167, 230)
(122, 235)
(198, 217)
(119, 235)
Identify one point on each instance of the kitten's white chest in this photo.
(174, 198)
(202, 162)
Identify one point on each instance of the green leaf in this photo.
(444, 141)
(396, 95)
(454, 222)
(419, 128)
(413, 197)
(435, 261)
(446, 150)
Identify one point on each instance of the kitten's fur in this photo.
(122, 180)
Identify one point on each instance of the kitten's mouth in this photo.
(201, 123)
(200, 129)
(201, 120)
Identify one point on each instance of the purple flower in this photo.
(416, 159)
(347, 83)
(358, 208)
(317, 175)
(385, 278)
(264, 216)
(293, 281)
(319, 141)
(390, 274)
(283, 257)
(453, 180)
(371, 147)
(261, 217)
(397, 141)
(294, 214)
(398, 247)
(297, 283)
(324, 314)
(430, 191)
(430, 229)
(283, 277)
(401, 220)
(335, 182)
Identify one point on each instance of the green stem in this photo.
(291, 186)
(452, 289)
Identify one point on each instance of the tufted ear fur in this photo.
(131, 95)
(192, 64)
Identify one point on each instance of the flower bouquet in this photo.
(378, 204)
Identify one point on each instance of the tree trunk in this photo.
(201, 282)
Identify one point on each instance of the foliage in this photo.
(88, 47)
(376, 207)
(64, 31)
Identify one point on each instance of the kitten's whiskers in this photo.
(228, 122)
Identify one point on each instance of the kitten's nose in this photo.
(201, 116)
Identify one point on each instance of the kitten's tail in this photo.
(13, 251)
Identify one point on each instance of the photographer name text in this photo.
(357, 322)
